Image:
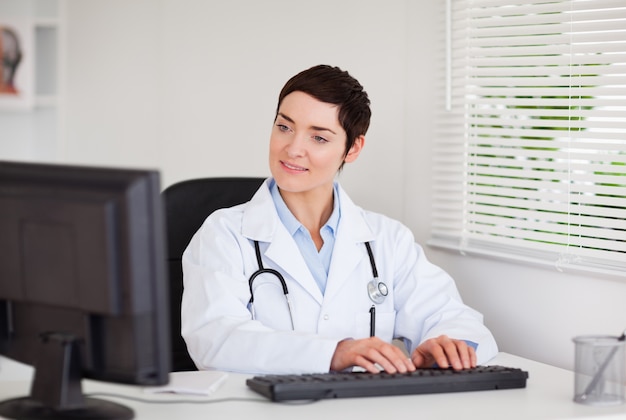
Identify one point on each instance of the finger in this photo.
(460, 355)
(463, 351)
(367, 354)
(387, 356)
(439, 354)
(377, 356)
(467, 354)
(421, 357)
(366, 364)
(417, 358)
(443, 351)
(397, 358)
(453, 350)
(470, 357)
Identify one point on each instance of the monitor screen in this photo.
(83, 287)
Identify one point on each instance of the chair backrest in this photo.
(187, 205)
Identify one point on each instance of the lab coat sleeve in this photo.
(430, 298)
(215, 321)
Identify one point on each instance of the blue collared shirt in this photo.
(318, 262)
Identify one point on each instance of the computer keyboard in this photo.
(363, 384)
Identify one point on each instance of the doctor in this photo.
(331, 284)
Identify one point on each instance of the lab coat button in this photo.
(326, 317)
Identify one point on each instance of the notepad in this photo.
(204, 382)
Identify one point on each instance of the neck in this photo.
(312, 208)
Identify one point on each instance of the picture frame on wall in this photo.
(17, 53)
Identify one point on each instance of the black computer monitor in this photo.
(83, 289)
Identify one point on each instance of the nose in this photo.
(296, 147)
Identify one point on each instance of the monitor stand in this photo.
(56, 392)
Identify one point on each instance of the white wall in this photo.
(190, 87)
(32, 133)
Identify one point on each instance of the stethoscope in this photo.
(376, 289)
(276, 273)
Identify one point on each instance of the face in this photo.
(307, 145)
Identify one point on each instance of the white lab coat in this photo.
(217, 324)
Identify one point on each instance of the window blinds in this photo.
(530, 154)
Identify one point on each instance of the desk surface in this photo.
(548, 395)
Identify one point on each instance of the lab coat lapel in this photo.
(349, 250)
(284, 251)
(261, 223)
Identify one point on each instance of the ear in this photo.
(356, 148)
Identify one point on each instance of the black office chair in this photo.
(187, 204)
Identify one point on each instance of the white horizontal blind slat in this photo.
(532, 154)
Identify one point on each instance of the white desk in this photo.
(548, 395)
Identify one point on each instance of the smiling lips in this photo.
(293, 167)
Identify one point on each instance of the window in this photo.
(531, 150)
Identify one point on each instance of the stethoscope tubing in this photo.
(377, 290)
(280, 278)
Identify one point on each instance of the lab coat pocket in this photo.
(384, 323)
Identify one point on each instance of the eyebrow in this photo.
(314, 127)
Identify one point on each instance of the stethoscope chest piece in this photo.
(377, 290)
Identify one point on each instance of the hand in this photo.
(370, 353)
(446, 352)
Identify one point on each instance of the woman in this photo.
(337, 315)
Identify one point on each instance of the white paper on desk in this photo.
(202, 382)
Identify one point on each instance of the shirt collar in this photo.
(289, 220)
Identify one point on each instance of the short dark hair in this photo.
(334, 86)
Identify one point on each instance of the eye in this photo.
(283, 127)
(320, 139)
